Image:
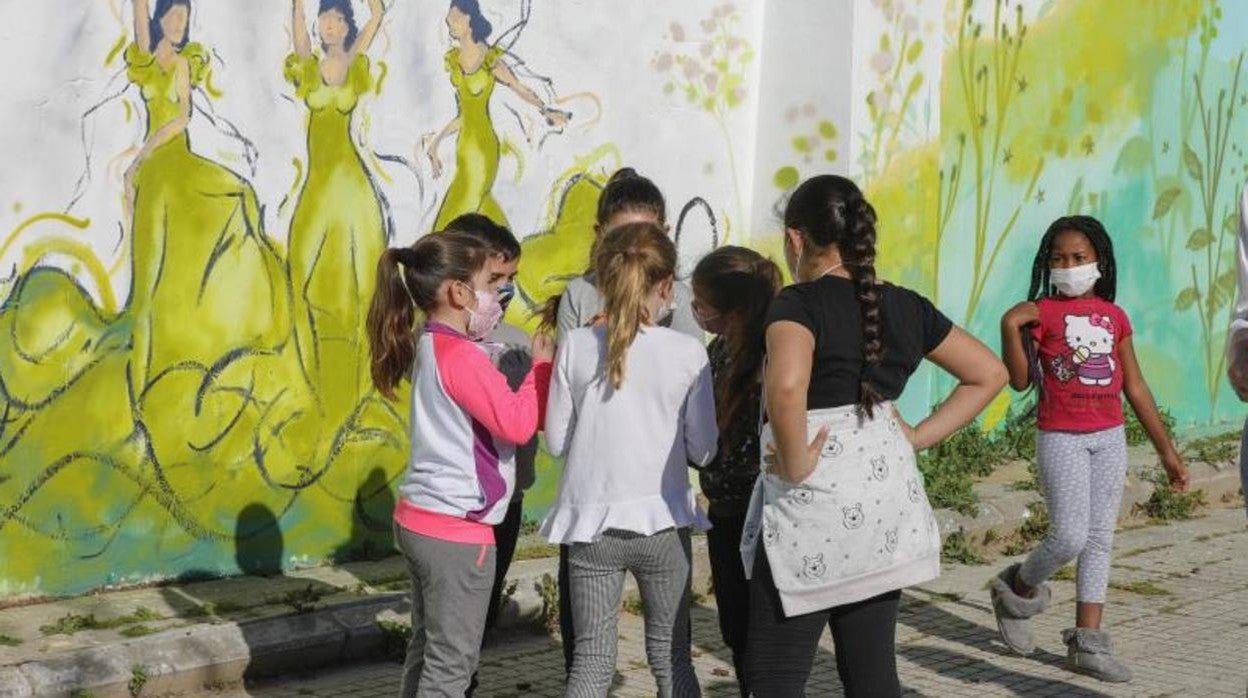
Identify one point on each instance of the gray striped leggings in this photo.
(661, 564)
(1082, 477)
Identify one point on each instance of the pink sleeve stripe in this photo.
(473, 383)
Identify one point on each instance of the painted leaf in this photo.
(1199, 239)
(1222, 291)
(1231, 223)
(1135, 156)
(827, 129)
(801, 144)
(785, 178)
(915, 83)
(830, 155)
(1165, 200)
(884, 43)
(1186, 298)
(916, 50)
(1192, 162)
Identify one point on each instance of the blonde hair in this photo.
(629, 263)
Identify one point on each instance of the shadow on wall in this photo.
(372, 530)
(258, 542)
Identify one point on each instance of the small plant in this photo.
(1066, 574)
(138, 630)
(536, 552)
(632, 604)
(395, 637)
(1164, 504)
(305, 600)
(138, 679)
(529, 526)
(957, 548)
(1034, 529)
(6, 641)
(1141, 588)
(549, 591)
(1218, 451)
(81, 693)
(1032, 482)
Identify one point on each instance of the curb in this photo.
(189, 659)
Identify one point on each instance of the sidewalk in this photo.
(1176, 611)
(183, 638)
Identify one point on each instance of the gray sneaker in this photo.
(1014, 612)
(1090, 652)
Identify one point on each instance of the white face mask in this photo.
(1075, 281)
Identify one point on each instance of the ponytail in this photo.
(860, 259)
(831, 210)
(548, 315)
(409, 279)
(629, 264)
(739, 284)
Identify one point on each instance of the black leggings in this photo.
(782, 650)
(732, 590)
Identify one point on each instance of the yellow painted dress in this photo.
(337, 234)
(477, 146)
(206, 282)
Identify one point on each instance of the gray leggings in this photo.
(451, 585)
(661, 564)
(1082, 478)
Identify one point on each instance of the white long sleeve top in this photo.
(628, 451)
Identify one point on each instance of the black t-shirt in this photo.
(828, 307)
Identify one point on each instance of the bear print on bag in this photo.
(854, 517)
(813, 567)
(890, 541)
(916, 493)
(832, 447)
(879, 468)
(802, 495)
(770, 534)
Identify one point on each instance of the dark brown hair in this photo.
(409, 278)
(630, 262)
(625, 191)
(739, 284)
(831, 210)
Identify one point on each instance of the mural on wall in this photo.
(184, 373)
(226, 399)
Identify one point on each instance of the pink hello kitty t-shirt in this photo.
(1077, 345)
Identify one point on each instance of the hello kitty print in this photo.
(1078, 341)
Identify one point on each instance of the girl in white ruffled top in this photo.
(631, 407)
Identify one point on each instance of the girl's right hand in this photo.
(543, 347)
(1023, 314)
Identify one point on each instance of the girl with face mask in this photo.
(1073, 344)
(631, 406)
(732, 289)
(466, 424)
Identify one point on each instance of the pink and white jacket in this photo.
(465, 423)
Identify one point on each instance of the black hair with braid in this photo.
(831, 210)
(1106, 287)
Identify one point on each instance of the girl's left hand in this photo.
(911, 434)
(811, 456)
(1176, 471)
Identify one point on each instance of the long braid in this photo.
(861, 263)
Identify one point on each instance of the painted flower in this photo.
(707, 49)
(791, 114)
(882, 61)
(808, 109)
(664, 62)
(738, 94)
(692, 70)
(708, 25)
(711, 80)
(910, 24)
(678, 32)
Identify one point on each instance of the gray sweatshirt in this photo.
(581, 302)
